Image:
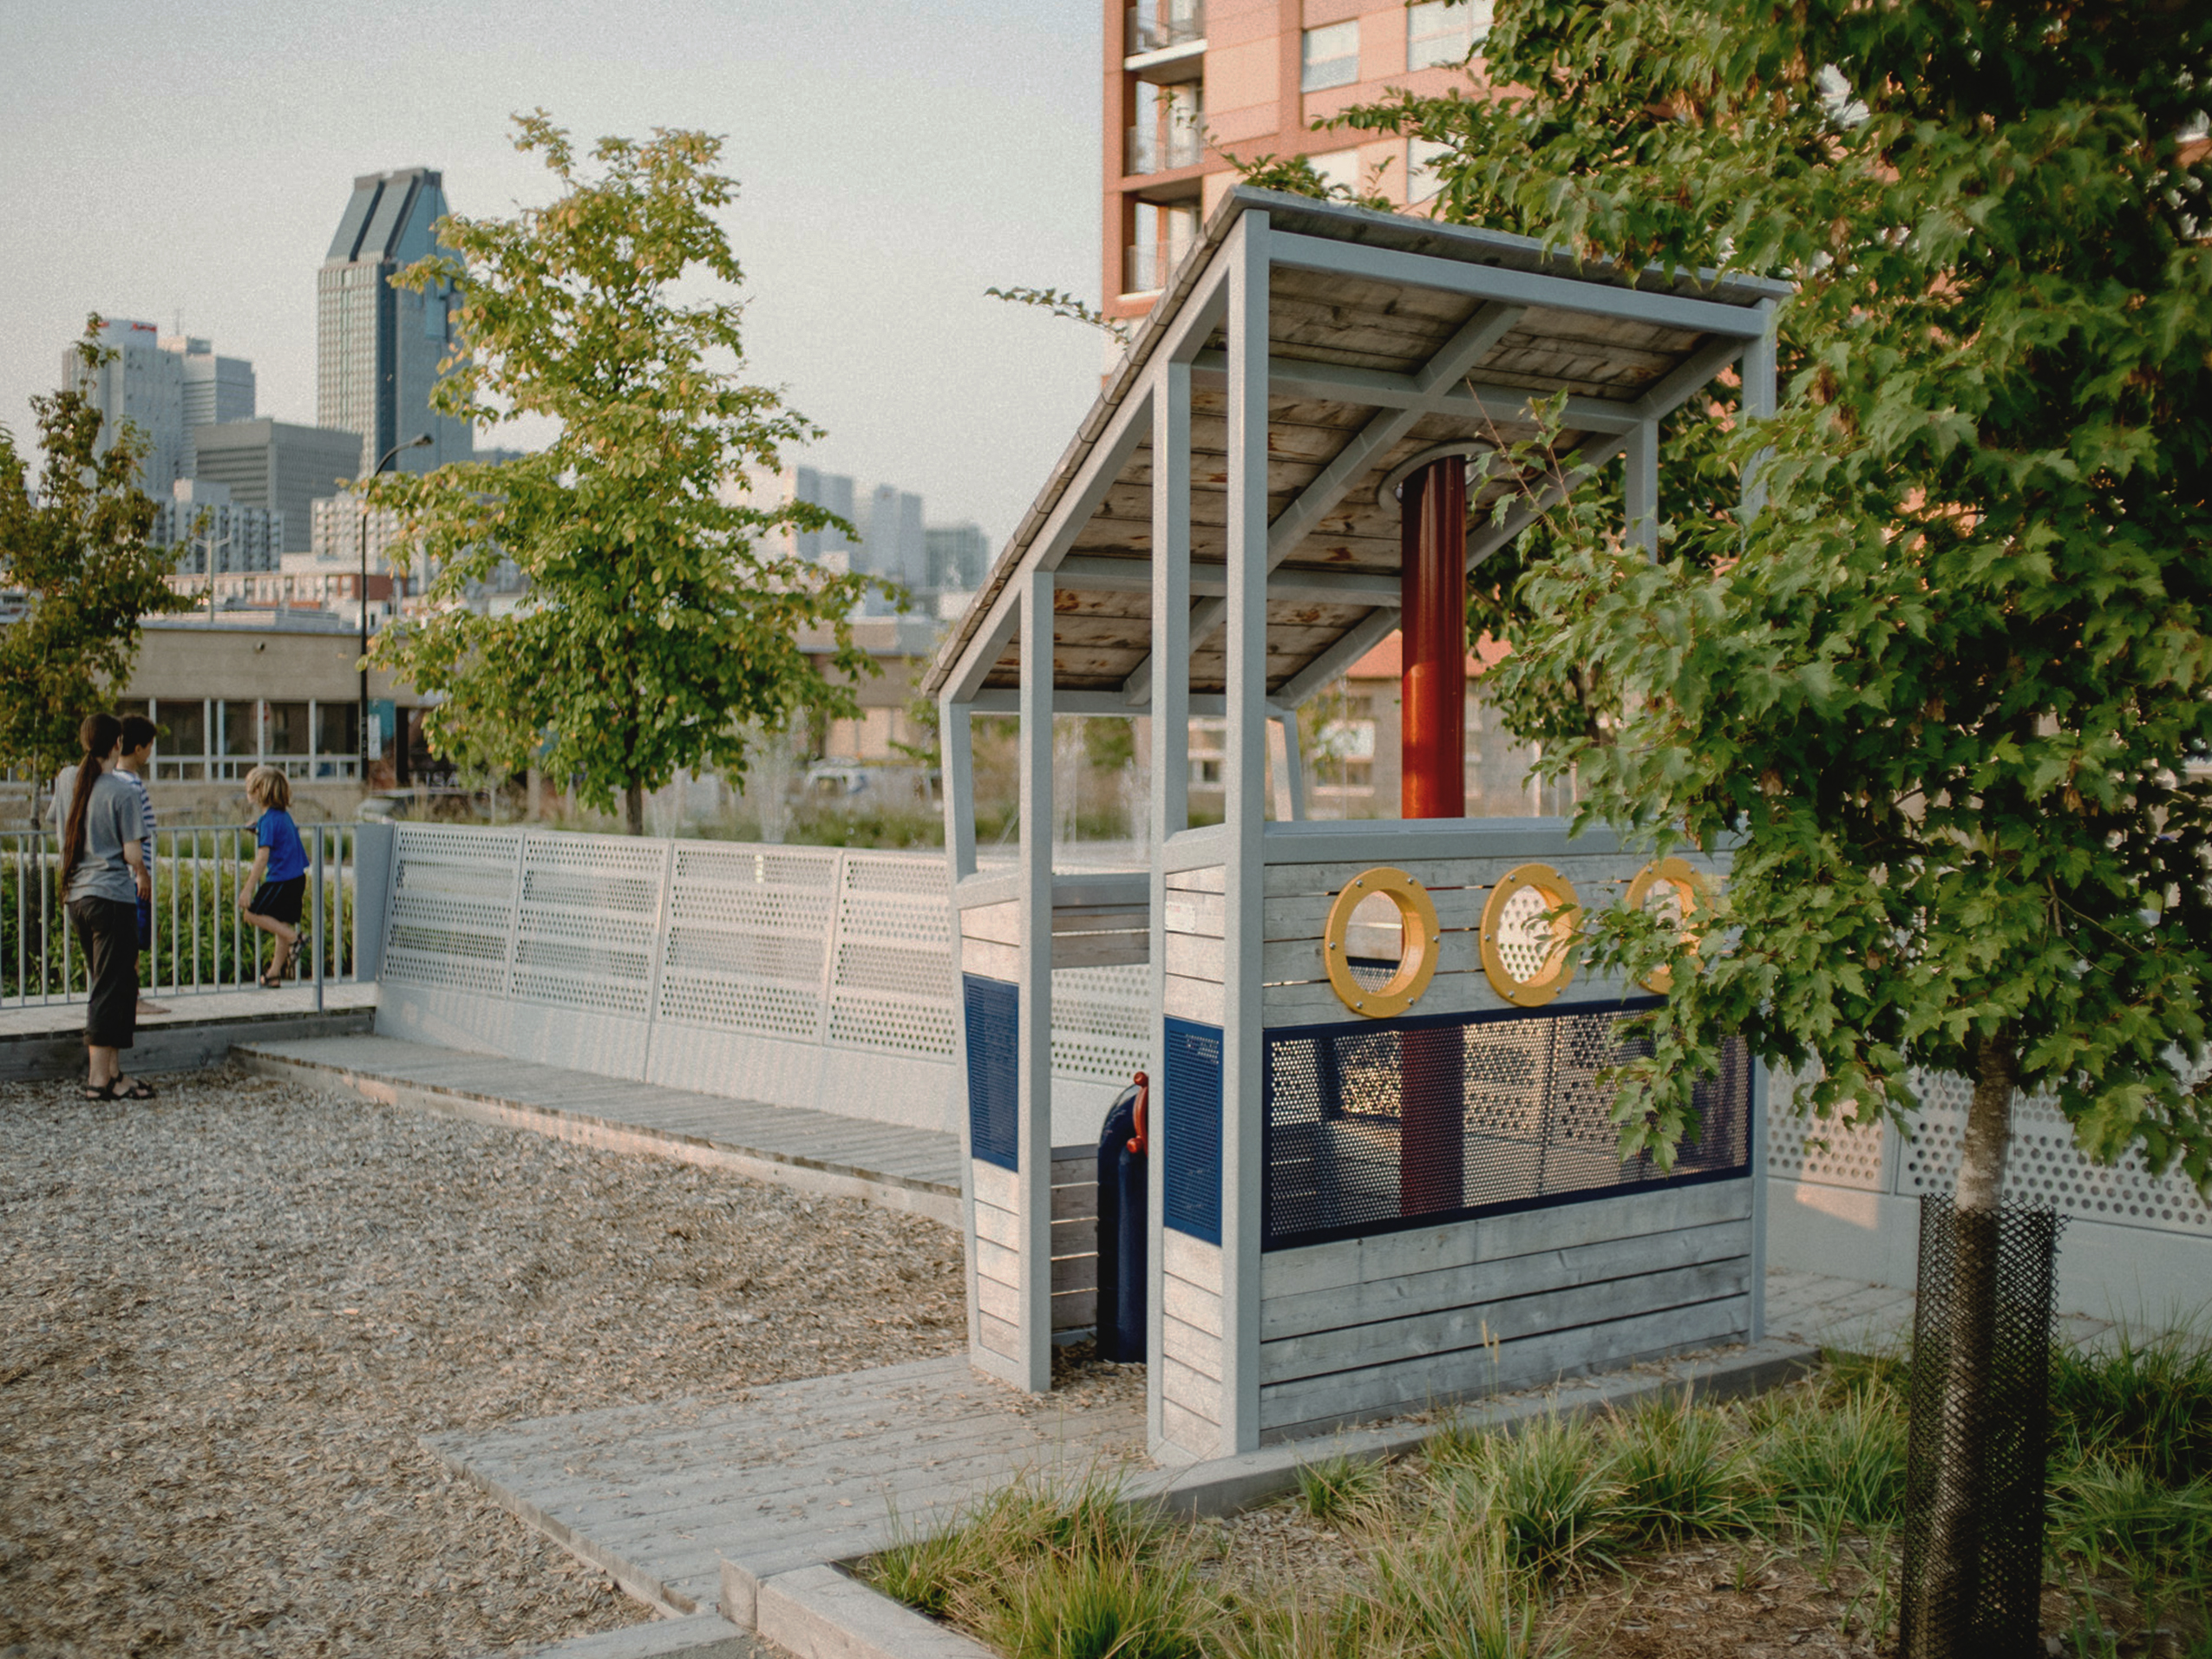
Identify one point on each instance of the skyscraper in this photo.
(279, 467)
(379, 348)
(214, 389)
(144, 385)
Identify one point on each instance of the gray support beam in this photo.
(1516, 287)
(956, 739)
(1170, 803)
(1245, 880)
(1102, 573)
(1761, 396)
(1642, 458)
(998, 700)
(1362, 637)
(1491, 324)
(1383, 388)
(1034, 1023)
(1284, 765)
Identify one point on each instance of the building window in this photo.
(1163, 235)
(1329, 57)
(1339, 168)
(1438, 33)
(1422, 155)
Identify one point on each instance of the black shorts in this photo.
(279, 900)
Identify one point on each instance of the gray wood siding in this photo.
(1369, 1326)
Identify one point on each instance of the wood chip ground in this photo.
(227, 1314)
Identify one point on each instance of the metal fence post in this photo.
(319, 919)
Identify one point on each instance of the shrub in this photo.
(2145, 1401)
(1447, 1585)
(1679, 1473)
(1547, 1490)
(1835, 1465)
(2116, 1516)
(1335, 1488)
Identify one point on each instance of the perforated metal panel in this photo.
(994, 1099)
(1374, 1128)
(586, 927)
(748, 939)
(1829, 1152)
(1190, 1169)
(451, 923)
(1102, 1022)
(891, 985)
(2044, 1166)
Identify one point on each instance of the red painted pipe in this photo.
(1432, 760)
(1432, 593)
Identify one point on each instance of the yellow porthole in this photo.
(1525, 956)
(1673, 891)
(1417, 963)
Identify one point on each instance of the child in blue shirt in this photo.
(273, 902)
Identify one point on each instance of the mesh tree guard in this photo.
(1975, 1468)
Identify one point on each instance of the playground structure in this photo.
(1380, 1171)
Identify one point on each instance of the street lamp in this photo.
(361, 596)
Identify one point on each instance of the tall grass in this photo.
(2144, 1401)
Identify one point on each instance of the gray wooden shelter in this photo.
(1221, 537)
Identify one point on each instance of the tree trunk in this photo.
(633, 807)
(1948, 1583)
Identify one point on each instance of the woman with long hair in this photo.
(103, 873)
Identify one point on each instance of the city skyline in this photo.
(868, 227)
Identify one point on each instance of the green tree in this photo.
(1950, 685)
(76, 549)
(662, 619)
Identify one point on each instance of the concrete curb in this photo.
(178, 1046)
(813, 1176)
(820, 1613)
(702, 1635)
(1225, 1485)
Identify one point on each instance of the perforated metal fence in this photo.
(814, 977)
(2043, 1165)
(1974, 1469)
(1374, 1128)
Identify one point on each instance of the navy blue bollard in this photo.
(1120, 1227)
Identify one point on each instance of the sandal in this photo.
(139, 1089)
(101, 1091)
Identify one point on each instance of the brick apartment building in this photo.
(1187, 80)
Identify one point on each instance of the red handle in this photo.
(1137, 1142)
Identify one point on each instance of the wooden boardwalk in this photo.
(909, 1169)
(785, 1476)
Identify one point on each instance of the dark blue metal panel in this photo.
(1191, 1177)
(994, 1083)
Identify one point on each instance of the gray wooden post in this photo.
(1642, 462)
(1244, 879)
(1760, 372)
(956, 744)
(1170, 697)
(1034, 1053)
(1286, 775)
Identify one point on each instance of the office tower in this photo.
(279, 467)
(830, 490)
(379, 348)
(169, 383)
(200, 519)
(891, 539)
(214, 389)
(1187, 79)
(959, 557)
(335, 532)
(142, 384)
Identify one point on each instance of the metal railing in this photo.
(1157, 147)
(199, 939)
(1164, 23)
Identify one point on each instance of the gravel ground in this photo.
(227, 1314)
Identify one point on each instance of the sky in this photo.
(894, 159)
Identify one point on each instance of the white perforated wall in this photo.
(2044, 1164)
(799, 976)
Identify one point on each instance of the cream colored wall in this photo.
(240, 663)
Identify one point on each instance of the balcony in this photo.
(1162, 148)
(1146, 266)
(1162, 26)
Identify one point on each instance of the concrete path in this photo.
(1823, 1312)
(47, 1039)
(798, 1472)
(917, 1170)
